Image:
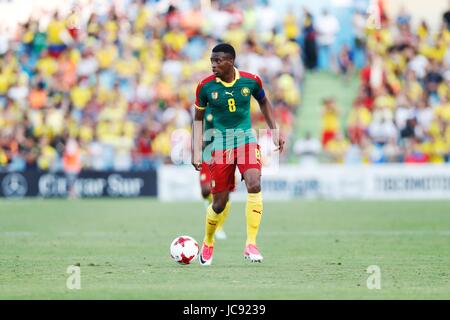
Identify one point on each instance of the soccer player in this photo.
(227, 93)
(205, 182)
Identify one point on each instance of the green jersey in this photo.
(229, 106)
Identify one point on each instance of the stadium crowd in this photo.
(103, 87)
(402, 110)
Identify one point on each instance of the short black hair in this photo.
(226, 48)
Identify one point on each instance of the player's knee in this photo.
(219, 205)
(206, 192)
(254, 186)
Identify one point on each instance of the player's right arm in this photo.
(197, 141)
(197, 128)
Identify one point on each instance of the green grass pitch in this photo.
(312, 250)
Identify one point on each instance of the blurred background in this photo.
(96, 96)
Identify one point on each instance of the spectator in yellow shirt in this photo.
(174, 41)
(81, 94)
(47, 156)
(57, 36)
(336, 148)
(330, 120)
(358, 121)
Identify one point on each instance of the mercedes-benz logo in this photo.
(14, 185)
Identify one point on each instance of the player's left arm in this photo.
(267, 110)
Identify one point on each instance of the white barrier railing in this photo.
(396, 181)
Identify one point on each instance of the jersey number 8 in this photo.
(231, 105)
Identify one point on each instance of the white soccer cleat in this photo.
(220, 235)
(252, 253)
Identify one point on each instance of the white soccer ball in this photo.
(184, 249)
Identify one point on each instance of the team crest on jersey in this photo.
(214, 95)
(245, 91)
